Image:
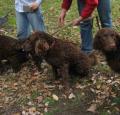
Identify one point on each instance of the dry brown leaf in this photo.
(52, 9)
(92, 108)
(98, 86)
(45, 109)
(78, 86)
(16, 113)
(71, 96)
(39, 99)
(55, 97)
(32, 110)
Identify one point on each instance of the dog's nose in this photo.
(113, 46)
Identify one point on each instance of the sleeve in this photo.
(89, 8)
(38, 1)
(66, 4)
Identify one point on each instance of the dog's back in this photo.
(10, 51)
(69, 52)
(8, 46)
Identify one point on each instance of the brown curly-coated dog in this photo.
(108, 41)
(64, 56)
(11, 52)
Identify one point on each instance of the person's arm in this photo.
(86, 12)
(66, 4)
(89, 8)
(38, 2)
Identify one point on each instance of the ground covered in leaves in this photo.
(30, 92)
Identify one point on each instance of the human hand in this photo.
(62, 17)
(77, 21)
(34, 6)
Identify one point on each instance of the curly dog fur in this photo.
(11, 52)
(64, 56)
(108, 42)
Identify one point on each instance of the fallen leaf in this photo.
(16, 113)
(98, 86)
(46, 104)
(23, 113)
(32, 110)
(71, 96)
(92, 108)
(78, 86)
(39, 99)
(45, 109)
(55, 97)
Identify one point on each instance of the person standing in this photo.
(86, 8)
(28, 16)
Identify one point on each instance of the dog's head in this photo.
(41, 47)
(38, 42)
(106, 39)
(29, 44)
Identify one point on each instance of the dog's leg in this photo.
(56, 73)
(37, 60)
(17, 60)
(4, 66)
(82, 69)
(63, 71)
(1, 68)
(14, 63)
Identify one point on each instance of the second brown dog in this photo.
(64, 56)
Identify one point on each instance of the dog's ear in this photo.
(41, 47)
(97, 41)
(46, 46)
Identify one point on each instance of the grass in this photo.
(51, 11)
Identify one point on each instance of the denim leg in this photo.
(86, 36)
(36, 20)
(22, 25)
(85, 30)
(104, 11)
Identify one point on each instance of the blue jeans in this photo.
(104, 11)
(27, 21)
